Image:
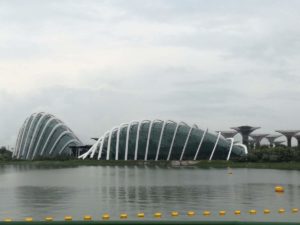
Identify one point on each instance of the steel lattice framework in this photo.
(162, 140)
(44, 136)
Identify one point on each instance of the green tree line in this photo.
(5, 154)
(277, 154)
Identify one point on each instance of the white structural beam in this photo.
(95, 147)
(173, 139)
(160, 138)
(34, 136)
(230, 148)
(66, 145)
(243, 146)
(17, 142)
(58, 139)
(31, 119)
(137, 140)
(17, 148)
(148, 139)
(108, 145)
(50, 135)
(214, 149)
(41, 136)
(101, 145)
(149, 136)
(200, 144)
(127, 138)
(161, 135)
(109, 142)
(29, 134)
(118, 139)
(186, 142)
(93, 150)
(137, 137)
(86, 154)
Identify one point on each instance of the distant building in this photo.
(288, 134)
(272, 138)
(297, 136)
(258, 138)
(245, 131)
(279, 143)
(228, 133)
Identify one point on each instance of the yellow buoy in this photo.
(28, 219)
(48, 218)
(279, 189)
(281, 210)
(174, 213)
(206, 213)
(87, 218)
(7, 220)
(105, 216)
(191, 213)
(237, 212)
(222, 213)
(140, 215)
(68, 218)
(157, 215)
(295, 210)
(123, 216)
(267, 211)
(252, 211)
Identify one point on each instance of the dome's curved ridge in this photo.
(42, 135)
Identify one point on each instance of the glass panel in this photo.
(193, 144)
(104, 149)
(143, 140)
(132, 140)
(207, 146)
(113, 144)
(154, 139)
(180, 138)
(166, 141)
(222, 149)
(122, 142)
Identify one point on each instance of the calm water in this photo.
(38, 191)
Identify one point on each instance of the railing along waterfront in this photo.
(150, 222)
(174, 217)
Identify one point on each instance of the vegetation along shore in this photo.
(264, 158)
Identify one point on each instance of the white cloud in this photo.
(107, 62)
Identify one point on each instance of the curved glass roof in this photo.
(162, 140)
(44, 136)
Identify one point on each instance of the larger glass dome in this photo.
(163, 140)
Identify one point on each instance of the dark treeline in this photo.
(5, 154)
(262, 154)
(277, 154)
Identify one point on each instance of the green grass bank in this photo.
(194, 164)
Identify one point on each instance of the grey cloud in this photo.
(254, 45)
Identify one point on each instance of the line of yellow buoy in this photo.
(106, 216)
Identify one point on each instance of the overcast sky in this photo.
(95, 64)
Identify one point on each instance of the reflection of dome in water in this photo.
(162, 140)
(44, 136)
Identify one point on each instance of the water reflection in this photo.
(35, 201)
(37, 191)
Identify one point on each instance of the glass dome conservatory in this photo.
(163, 140)
(44, 136)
